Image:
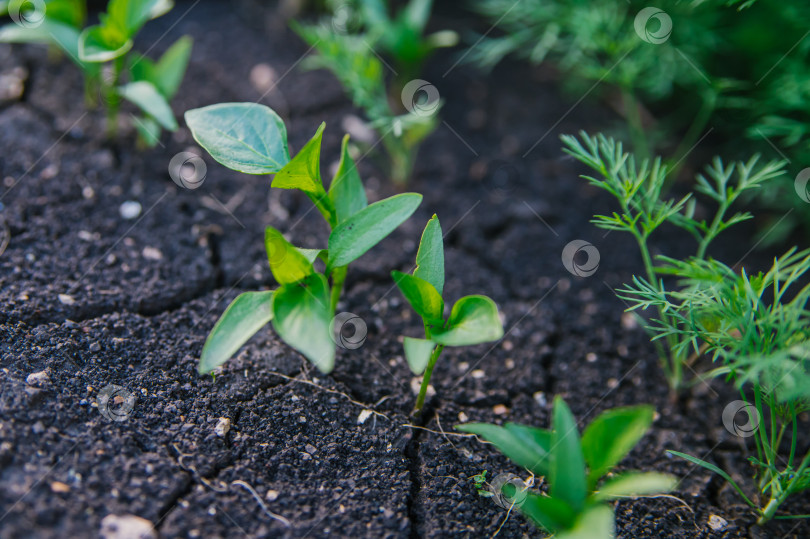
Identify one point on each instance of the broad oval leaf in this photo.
(247, 137)
(417, 353)
(363, 230)
(101, 43)
(148, 99)
(301, 317)
(287, 263)
(473, 320)
(422, 296)
(346, 190)
(636, 484)
(131, 15)
(550, 513)
(567, 475)
(241, 320)
(304, 170)
(525, 446)
(612, 435)
(430, 257)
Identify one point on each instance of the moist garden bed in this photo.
(92, 298)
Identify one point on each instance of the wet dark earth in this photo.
(113, 275)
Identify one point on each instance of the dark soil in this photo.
(95, 299)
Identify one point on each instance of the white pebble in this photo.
(130, 209)
(223, 426)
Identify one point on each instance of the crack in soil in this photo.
(415, 510)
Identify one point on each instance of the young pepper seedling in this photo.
(472, 320)
(576, 505)
(252, 138)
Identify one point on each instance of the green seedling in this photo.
(643, 208)
(480, 481)
(756, 328)
(472, 320)
(576, 469)
(406, 113)
(104, 54)
(252, 138)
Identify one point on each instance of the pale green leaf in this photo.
(101, 43)
(525, 446)
(247, 137)
(473, 320)
(430, 257)
(346, 190)
(612, 435)
(359, 233)
(422, 296)
(636, 484)
(304, 170)
(567, 475)
(301, 317)
(287, 263)
(148, 99)
(596, 522)
(417, 353)
(549, 513)
(170, 69)
(241, 320)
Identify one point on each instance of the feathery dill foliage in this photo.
(755, 327)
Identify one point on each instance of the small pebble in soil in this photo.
(500, 409)
(477, 373)
(152, 253)
(59, 488)
(590, 357)
(66, 299)
(223, 426)
(717, 522)
(126, 527)
(416, 384)
(271, 496)
(540, 398)
(12, 84)
(40, 378)
(462, 417)
(130, 209)
(365, 414)
(263, 78)
(629, 321)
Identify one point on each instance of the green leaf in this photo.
(346, 190)
(635, 484)
(430, 257)
(148, 131)
(363, 230)
(247, 137)
(130, 15)
(422, 296)
(611, 436)
(142, 68)
(525, 446)
(170, 69)
(567, 474)
(304, 170)
(148, 99)
(287, 263)
(711, 467)
(102, 43)
(313, 254)
(241, 320)
(596, 522)
(417, 353)
(550, 513)
(301, 317)
(473, 320)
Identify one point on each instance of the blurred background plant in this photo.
(378, 57)
(112, 70)
(676, 74)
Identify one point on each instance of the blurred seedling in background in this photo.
(112, 70)
(252, 138)
(644, 207)
(472, 320)
(577, 470)
(403, 111)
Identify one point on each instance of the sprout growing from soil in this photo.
(112, 70)
(350, 46)
(252, 138)
(576, 504)
(472, 320)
